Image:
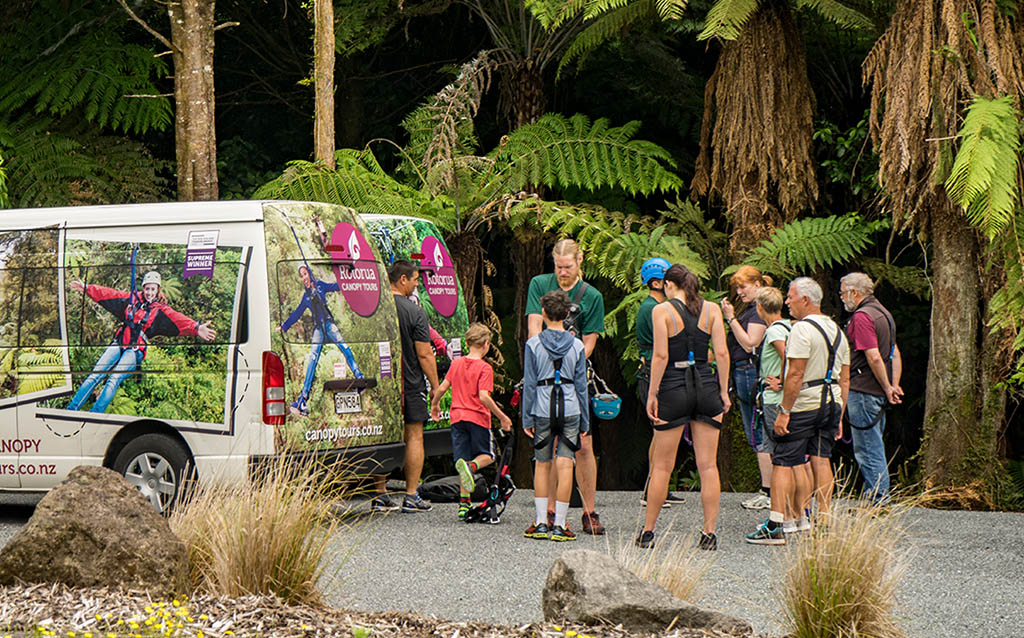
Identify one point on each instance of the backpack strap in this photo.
(892, 336)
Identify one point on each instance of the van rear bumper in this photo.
(372, 459)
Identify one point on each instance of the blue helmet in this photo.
(654, 268)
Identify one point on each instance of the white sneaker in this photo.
(759, 501)
(789, 527)
(804, 524)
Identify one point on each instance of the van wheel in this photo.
(157, 465)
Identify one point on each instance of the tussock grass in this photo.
(272, 536)
(842, 579)
(674, 564)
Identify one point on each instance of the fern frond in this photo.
(442, 129)
(5, 201)
(89, 68)
(808, 244)
(671, 9)
(983, 180)
(910, 279)
(560, 152)
(44, 164)
(837, 12)
(726, 17)
(602, 28)
(624, 312)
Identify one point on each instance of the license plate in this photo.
(347, 403)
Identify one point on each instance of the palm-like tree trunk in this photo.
(323, 74)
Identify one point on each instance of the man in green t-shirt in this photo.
(652, 275)
(586, 322)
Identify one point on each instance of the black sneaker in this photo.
(675, 499)
(383, 503)
(645, 540)
(538, 531)
(708, 542)
(413, 504)
(643, 500)
(561, 534)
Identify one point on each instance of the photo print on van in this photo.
(439, 292)
(334, 335)
(33, 360)
(143, 340)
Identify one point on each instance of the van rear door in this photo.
(335, 327)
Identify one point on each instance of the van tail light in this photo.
(273, 389)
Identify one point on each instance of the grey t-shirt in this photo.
(412, 327)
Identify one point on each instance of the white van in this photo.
(153, 337)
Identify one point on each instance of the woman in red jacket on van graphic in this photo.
(145, 315)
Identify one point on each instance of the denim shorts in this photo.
(570, 429)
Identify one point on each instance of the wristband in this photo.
(784, 410)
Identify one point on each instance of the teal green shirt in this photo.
(645, 328)
(591, 304)
(771, 363)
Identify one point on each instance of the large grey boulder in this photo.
(96, 530)
(591, 588)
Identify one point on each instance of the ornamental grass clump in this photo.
(271, 536)
(674, 565)
(842, 578)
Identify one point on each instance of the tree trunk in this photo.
(323, 74)
(466, 252)
(963, 408)
(192, 23)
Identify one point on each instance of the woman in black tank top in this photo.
(686, 392)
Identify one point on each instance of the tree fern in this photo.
(983, 180)
(725, 18)
(570, 152)
(604, 27)
(39, 369)
(837, 12)
(809, 244)
(71, 57)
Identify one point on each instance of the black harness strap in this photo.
(575, 310)
(556, 410)
(691, 382)
(760, 388)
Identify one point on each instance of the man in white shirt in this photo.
(813, 395)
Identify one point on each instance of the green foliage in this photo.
(850, 162)
(809, 244)
(564, 152)
(602, 29)
(983, 180)
(837, 12)
(5, 201)
(910, 279)
(72, 57)
(1006, 308)
(726, 18)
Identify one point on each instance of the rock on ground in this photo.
(96, 530)
(591, 588)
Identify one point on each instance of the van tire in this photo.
(157, 465)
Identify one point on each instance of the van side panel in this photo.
(335, 328)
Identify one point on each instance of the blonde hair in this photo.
(748, 275)
(770, 300)
(565, 247)
(477, 335)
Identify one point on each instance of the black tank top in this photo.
(688, 347)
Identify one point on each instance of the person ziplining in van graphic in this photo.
(324, 329)
(144, 315)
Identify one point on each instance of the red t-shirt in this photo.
(469, 376)
(862, 332)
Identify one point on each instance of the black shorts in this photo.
(810, 433)
(470, 440)
(679, 402)
(415, 408)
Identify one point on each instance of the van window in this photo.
(336, 287)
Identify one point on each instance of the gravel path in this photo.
(965, 577)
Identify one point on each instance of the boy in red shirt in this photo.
(471, 380)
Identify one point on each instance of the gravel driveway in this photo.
(965, 577)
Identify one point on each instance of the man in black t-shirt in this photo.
(417, 361)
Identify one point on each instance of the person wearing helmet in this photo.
(144, 315)
(324, 329)
(652, 275)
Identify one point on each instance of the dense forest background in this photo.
(805, 137)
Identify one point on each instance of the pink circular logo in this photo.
(355, 269)
(438, 272)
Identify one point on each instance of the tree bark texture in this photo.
(323, 80)
(192, 26)
(963, 409)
